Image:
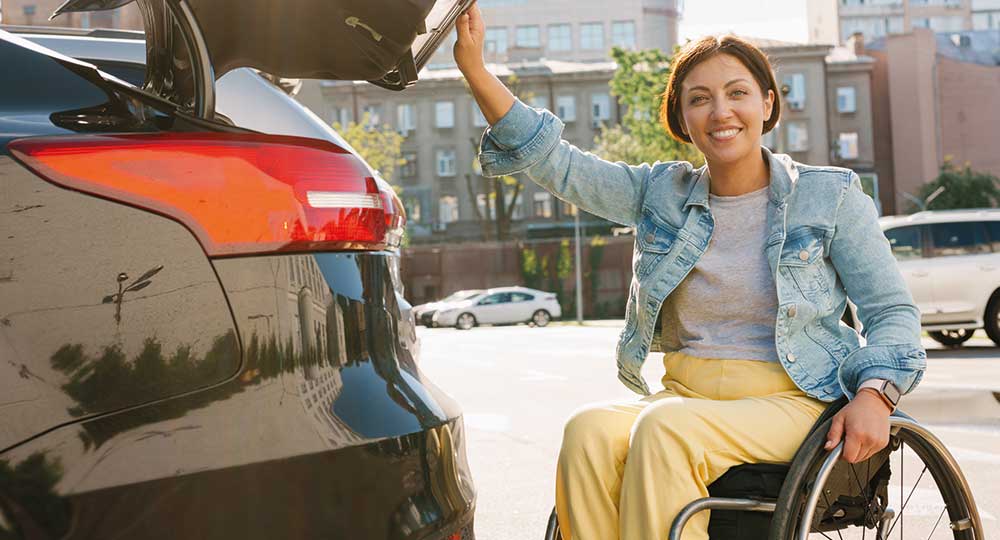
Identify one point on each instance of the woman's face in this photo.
(723, 109)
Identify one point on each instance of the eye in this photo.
(697, 99)
(739, 92)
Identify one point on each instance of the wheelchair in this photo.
(818, 495)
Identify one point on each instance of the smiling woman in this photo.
(745, 265)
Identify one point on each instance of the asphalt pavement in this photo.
(518, 384)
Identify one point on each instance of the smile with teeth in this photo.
(725, 134)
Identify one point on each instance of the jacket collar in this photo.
(784, 174)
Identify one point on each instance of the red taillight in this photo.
(238, 193)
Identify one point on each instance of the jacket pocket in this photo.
(802, 260)
(655, 239)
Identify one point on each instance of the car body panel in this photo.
(276, 440)
(951, 290)
(379, 40)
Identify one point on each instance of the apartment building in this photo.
(573, 30)
(37, 12)
(878, 18)
(826, 119)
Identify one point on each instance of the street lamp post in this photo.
(579, 272)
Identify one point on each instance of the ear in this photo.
(680, 122)
(768, 105)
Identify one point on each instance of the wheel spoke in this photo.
(938, 522)
(903, 509)
(827, 499)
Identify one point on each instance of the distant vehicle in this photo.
(504, 305)
(951, 263)
(424, 313)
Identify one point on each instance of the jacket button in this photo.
(790, 357)
(804, 255)
(792, 310)
(650, 237)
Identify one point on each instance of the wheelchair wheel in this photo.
(913, 489)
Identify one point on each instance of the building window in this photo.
(444, 114)
(566, 108)
(846, 102)
(542, 205)
(527, 36)
(539, 102)
(796, 96)
(560, 37)
(797, 136)
(567, 209)
(29, 10)
(592, 36)
(478, 119)
(600, 109)
(496, 40)
(374, 115)
(623, 34)
(342, 116)
(847, 146)
(409, 169)
(448, 209)
(484, 203)
(446, 162)
(413, 207)
(406, 120)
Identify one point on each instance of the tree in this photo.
(500, 194)
(638, 83)
(963, 188)
(381, 146)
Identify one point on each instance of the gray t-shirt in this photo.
(726, 307)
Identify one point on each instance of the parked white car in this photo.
(951, 263)
(424, 313)
(504, 305)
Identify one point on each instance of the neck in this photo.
(735, 178)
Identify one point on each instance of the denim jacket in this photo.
(824, 245)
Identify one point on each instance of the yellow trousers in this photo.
(626, 469)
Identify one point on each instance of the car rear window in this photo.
(906, 243)
(993, 227)
(960, 238)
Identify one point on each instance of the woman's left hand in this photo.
(864, 425)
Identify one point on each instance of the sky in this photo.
(772, 19)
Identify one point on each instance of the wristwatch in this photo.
(888, 391)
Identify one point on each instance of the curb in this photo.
(952, 405)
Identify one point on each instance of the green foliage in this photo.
(380, 146)
(564, 268)
(595, 255)
(963, 188)
(639, 83)
(533, 268)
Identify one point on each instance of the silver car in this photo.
(503, 305)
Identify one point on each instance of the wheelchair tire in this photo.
(963, 516)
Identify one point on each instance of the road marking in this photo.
(533, 375)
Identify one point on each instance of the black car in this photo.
(202, 326)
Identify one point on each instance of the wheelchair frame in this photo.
(964, 521)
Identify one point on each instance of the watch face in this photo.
(890, 391)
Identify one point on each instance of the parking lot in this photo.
(518, 384)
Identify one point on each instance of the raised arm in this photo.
(522, 139)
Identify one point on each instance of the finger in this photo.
(476, 23)
(462, 27)
(835, 433)
(852, 447)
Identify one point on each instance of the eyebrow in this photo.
(730, 83)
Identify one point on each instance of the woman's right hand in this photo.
(468, 48)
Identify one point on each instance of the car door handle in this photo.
(987, 268)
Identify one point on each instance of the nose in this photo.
(721, 109)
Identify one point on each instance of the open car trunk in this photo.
(191, 43)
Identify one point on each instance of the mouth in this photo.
(725, 134)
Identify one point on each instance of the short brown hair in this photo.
(696, 52)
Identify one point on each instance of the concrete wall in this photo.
(914, 110)
(969, 102)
